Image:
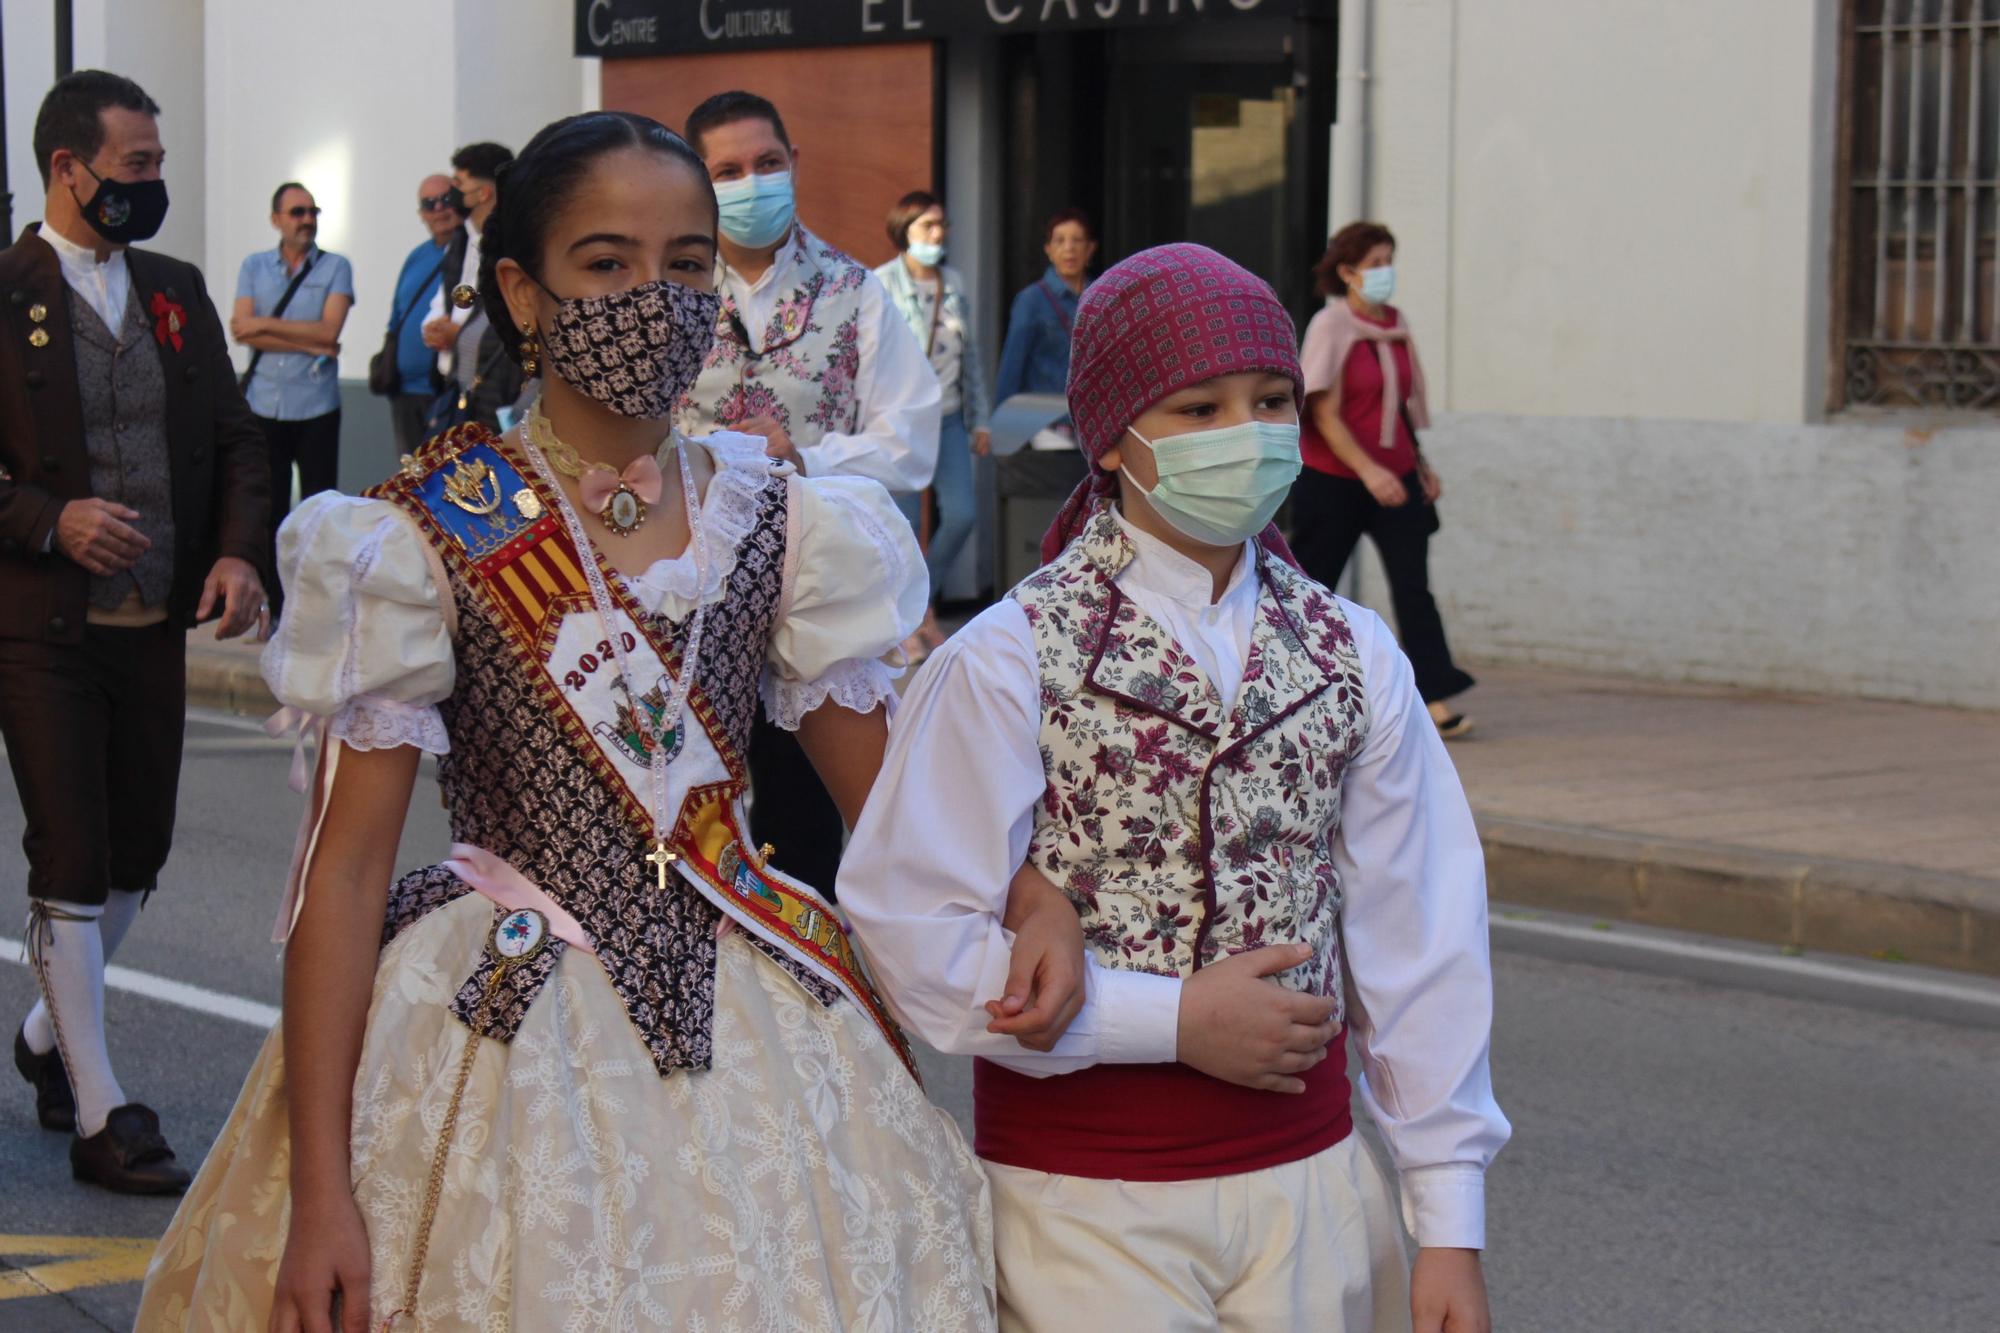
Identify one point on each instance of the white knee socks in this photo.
(71, 952)
(121, 909)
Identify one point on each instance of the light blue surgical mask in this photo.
(756, 211)
(928, 253)
(1222, 486)
(1378, 284)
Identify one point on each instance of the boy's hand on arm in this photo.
(1045, 977)
(1448, 1293)
(1238, 1025)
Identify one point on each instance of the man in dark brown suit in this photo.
(133, 503)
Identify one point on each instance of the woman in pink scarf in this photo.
(1364, 402)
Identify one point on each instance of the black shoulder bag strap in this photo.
(419, 298)
(277, 312)
(1054, 304)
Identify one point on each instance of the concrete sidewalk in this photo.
(1820, 824)
(1816, 824)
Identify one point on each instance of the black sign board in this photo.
(620, 28)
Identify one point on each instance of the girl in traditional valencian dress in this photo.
(1230, 772)
(609, 1071)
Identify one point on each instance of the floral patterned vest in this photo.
(801, 368)
(1182, 834)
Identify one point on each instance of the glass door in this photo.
(1205, 147)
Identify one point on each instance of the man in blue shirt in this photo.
(293, 384)
(423, 270)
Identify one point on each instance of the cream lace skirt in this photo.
(804, 1182)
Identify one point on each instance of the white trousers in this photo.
(1314, 1244)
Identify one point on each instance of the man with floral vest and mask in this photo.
(133, 503)
(810, 354)
(1230, 773)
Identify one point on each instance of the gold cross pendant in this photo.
(660, 858)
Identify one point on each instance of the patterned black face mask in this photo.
(636, 351)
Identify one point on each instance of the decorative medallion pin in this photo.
(521, 935)
(473, 486)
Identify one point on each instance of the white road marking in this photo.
(1606, 945)
(1855, 975)
(238, 745)
(208, 717)
(168, 991)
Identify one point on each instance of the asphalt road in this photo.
(1687, 1156)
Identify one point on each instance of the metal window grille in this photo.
(1917, 290)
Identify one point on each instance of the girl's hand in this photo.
(982, 442)
(1433, 488)
(326, 1256)
(1448, 1293)
(1045, 987)
(1386, 487)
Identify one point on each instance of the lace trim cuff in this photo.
(860, 684)
(370, 722)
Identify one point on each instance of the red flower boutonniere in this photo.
(168, 320)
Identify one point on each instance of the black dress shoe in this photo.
(55, 1104)
(128, 1155)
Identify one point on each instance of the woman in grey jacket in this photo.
(932, 298)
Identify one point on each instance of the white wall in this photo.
(1844, 559)
(31, 62)
(365, 118)
(158, 43)
(1622, 195)
(1613, 223)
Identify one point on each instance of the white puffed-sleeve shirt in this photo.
(366, 639)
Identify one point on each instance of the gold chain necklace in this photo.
(623, 512)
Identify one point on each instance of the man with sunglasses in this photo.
(290, 305)
(417, 375)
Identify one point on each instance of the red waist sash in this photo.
(1155, 1122)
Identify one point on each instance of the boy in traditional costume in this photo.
(1229, 771)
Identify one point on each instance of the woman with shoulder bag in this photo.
(1364, 472)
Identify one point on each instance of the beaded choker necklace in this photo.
(622, 508)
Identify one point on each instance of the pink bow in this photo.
(641, 476)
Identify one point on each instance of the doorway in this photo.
(1213, 133)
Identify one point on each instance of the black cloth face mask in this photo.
(126, 212)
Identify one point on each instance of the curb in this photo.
(1959, 998)
(1889, 912)
(228, 680)
(1861, 908)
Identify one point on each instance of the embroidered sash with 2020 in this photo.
(499, 529)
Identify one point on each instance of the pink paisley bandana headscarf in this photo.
(1163, 320)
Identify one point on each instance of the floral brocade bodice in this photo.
(1184, 833)
(543, 755)
(802, 369)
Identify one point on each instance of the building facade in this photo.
(1719, 372)
(1706, 292)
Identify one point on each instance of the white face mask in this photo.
(928, 253)
(1378, 284)
(1222, 486)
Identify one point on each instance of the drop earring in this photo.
(531, 353)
